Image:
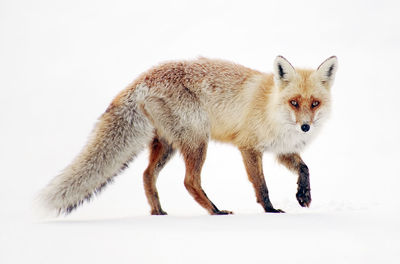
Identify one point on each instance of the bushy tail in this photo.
(120, 134)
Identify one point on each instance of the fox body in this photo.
(181, 106)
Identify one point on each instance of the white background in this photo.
(62, 62)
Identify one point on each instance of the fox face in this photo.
(304, 95)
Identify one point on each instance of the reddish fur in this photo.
(253, 163)
(291, 161)
(194, 160)
(157, 150)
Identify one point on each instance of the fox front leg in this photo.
(294, 163)
(253, 162)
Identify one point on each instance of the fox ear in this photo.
(283, 70)
(327, 70)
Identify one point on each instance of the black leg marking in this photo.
(303, 194)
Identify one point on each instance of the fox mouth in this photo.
(304, 127)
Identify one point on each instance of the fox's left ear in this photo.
(327, 70)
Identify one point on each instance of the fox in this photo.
(181, 106)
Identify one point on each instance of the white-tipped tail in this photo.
(120, 134)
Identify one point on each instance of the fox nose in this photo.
(305, 127)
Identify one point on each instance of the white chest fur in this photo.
(287, 140)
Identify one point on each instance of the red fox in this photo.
(181, 106)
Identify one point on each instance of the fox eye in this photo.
(314, 104)
(294, 103)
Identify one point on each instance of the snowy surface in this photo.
(62, 62)
(313, 237)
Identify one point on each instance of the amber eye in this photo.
(314, 104)
(294, 103)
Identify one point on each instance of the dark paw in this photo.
(303, 196)
(158, 212)
(273, 210)
(222, 212)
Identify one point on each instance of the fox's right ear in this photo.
(283, 70)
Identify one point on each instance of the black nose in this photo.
(305, 127)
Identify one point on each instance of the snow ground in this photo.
(355, 236)
(61, 63)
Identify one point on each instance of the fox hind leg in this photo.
(185, 124)
(160, 153)
(194, 160)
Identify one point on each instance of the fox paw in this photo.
(158, 212)
(273, 210)
(303, 196)
(222, 212)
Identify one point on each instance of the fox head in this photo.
(304, 95)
